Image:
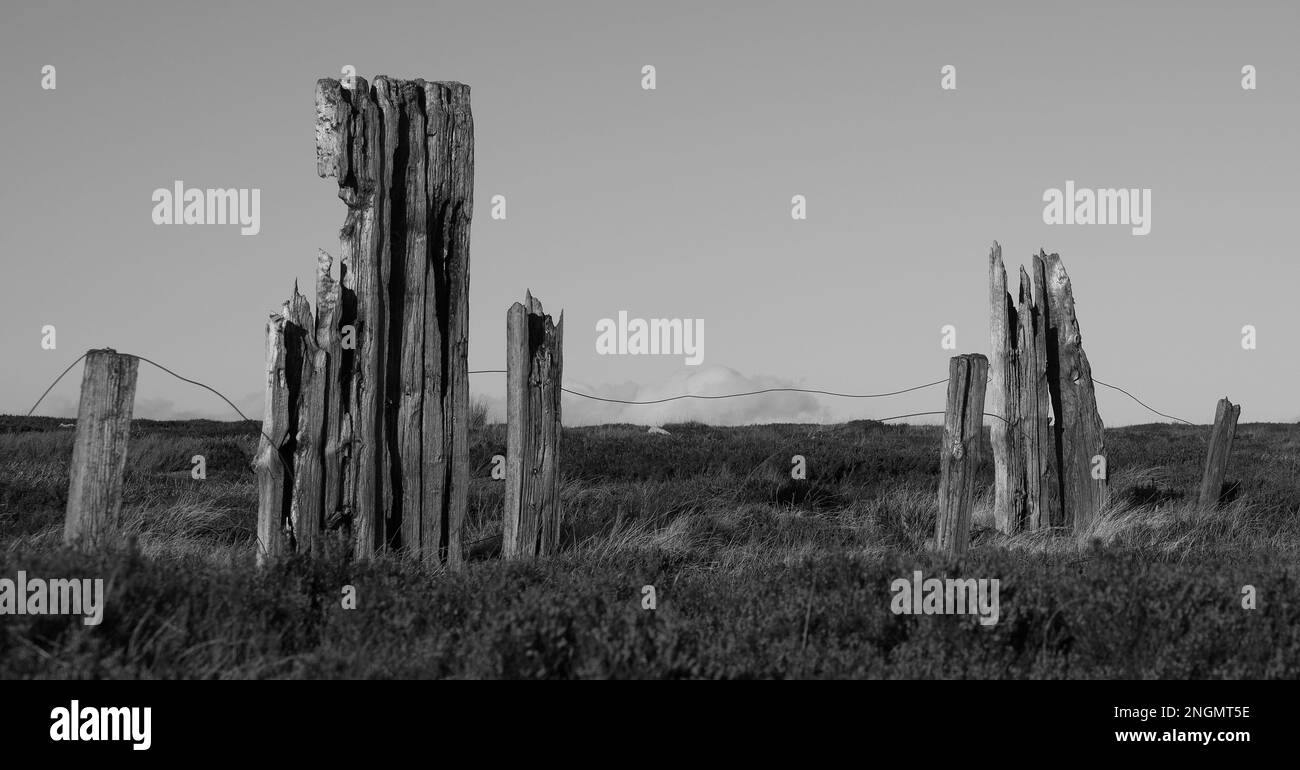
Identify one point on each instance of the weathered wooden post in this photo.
(958, 456)
(297, 460)
(1009, 474)
(1038, 452)
(99, 449)
(534, 367)
(272, 462)
(1216, 458)
(370, 430)
(305, 368)
(1045, 453)
(1080, 434)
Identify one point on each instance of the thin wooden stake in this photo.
(99, 449)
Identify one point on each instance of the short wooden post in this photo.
(1216, 458)
(99, 450)
(958, 457)
(534, 347)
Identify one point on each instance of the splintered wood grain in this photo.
(304, 366)
(362, 189)
(273, 490)
(410, 252)
(450, 103)
(1042, 506)
(1219, 452)
(959, 453)
(534, 372)
(328, 363)
(402, 152)
(436, 462)
(1009, 474)
(1079, 429)
(100, 446)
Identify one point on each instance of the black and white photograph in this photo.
(923, 346)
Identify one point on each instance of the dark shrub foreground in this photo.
(1105, 614)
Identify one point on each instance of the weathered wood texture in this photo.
(1042, 485)
(99, 449)
(1080, 434)
(327, 369)
(271, 464)
(305, 371)
(1005, 432)
(1216, 458)
(378, 380)
(534, 369)
(960, 453)
(1042, 383)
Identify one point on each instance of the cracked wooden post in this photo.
(306, 368)
(534, 366)
(1044, 452)
(1080, 435)
(1042, 483)
(1009, 464)
(328, 368)
(1216, 458)
(403, 154)
(959, 455)
(290, 465)
(99, 449)
(271, 465)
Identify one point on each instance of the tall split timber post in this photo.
(534, 371)
(1042, 384)
(1009, 483)
(367, 404)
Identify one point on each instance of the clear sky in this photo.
(676, 202)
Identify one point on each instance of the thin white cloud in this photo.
(712, 380)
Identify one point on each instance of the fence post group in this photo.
(365, 427)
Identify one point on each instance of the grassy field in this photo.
(755, 574)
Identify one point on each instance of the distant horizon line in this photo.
(16, 417)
